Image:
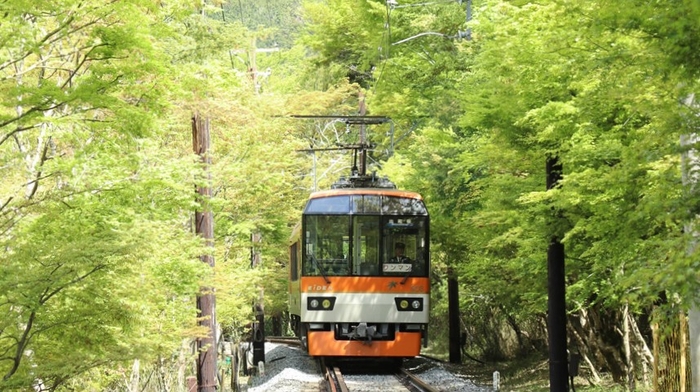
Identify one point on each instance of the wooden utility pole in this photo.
(204, 226)
(556, 303)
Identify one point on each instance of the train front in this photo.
(362, 267)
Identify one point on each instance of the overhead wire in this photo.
(384, 54)
(385, 47)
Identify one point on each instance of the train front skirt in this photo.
(326, 343)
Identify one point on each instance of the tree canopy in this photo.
(100, 268)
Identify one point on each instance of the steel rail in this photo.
(290, 340)
(334, 377)
(339, 380)
(414, 383)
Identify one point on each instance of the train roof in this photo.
(370, 201)
(366, 191)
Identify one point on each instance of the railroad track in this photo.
(288, 340)
(413, 383)
(399, 381)
(365, 379)
(334, 378)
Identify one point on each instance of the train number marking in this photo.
(317, 287)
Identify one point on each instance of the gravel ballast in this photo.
(289, 369)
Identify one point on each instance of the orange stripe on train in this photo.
(364, 284)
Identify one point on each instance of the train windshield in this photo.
(365, 235)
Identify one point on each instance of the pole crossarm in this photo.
(352, 120)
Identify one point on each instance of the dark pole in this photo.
(204, 226)
(258, 307)
(363, 137)
(453, 311)
(556, 316)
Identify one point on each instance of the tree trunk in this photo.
(276, 325)
(599, 330)
(516, 328)
(655, 345)
(641, 349)
(629, 362)
(608, 340)
(584, 350)
(644, 347)
(235, 361)
(683, 370)
(134, 381)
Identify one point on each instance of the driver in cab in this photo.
(400, 254)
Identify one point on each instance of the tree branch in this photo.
(46, 38)
(80, 64)
(23, 115)
(28, 333)
(16, 130)
(40, 164)
(9, 199)
(21, 344)
(49, 294)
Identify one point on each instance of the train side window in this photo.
(293, 261)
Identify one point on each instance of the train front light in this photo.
(409, 304)
(320, 303)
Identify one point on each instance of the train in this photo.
(359, 271)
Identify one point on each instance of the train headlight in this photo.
(320, 303)
(409, 304)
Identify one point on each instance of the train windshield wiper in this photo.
(323, 272)
(405, 277)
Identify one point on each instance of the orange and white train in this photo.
(349, 296)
